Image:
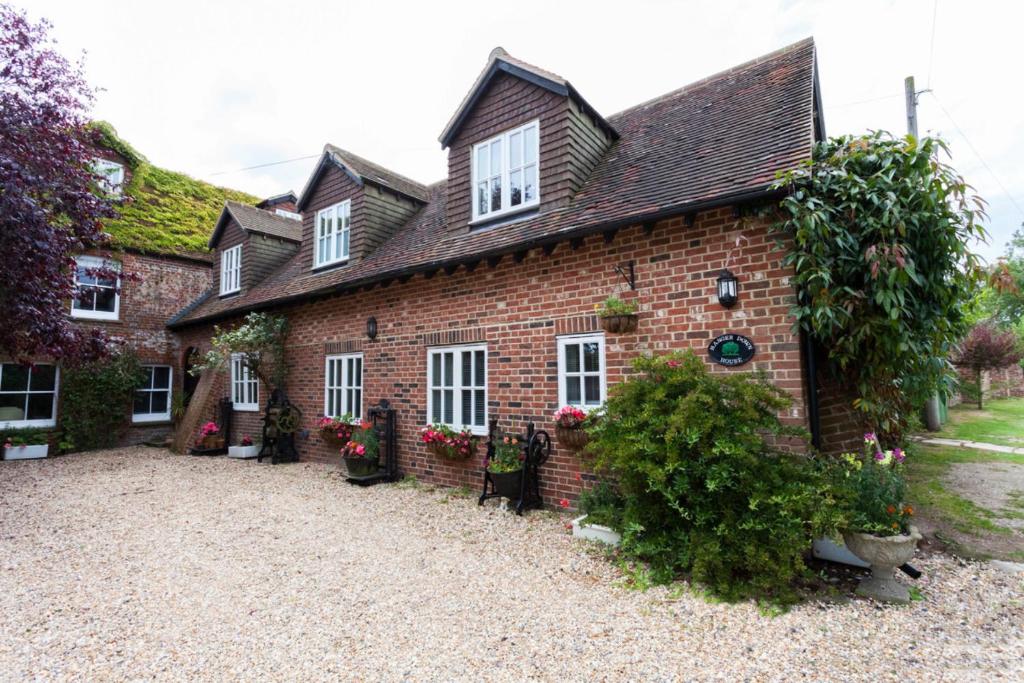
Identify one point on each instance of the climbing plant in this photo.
(259, 340)
(878, 230)
(96, 398)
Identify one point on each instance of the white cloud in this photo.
(205, 87)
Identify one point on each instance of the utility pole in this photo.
(932, 410)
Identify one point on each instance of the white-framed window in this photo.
(96, 298)
(333, 226)
(112, 173)
(506, 172)
(28, 395)
(231, 270)
(245, 386)
(153, 399)
(581, 371)
(343, 385)
(457, 387)
(288, 214)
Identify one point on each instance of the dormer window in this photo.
(333, 225)
(231, 270)
(112, 173)
(505, 172)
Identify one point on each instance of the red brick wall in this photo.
(519, 309)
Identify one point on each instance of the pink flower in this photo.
(564, 502)
(672, 363)
(870, 437)
(898, 455)
(879, 456)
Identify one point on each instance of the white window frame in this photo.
(244, 384)
(113, 175)
(459, 421)
(338, 383)
(337, 237)
(564, 374)
(96, 262)
(504, 173)
(156, 417)
(231, 270)
(44, 422)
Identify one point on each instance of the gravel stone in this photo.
(138, 564)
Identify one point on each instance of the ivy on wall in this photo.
(880, 231)
(96, 399)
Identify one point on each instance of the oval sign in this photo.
(731, 349)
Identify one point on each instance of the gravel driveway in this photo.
(136, 564)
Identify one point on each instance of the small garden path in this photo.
(138, 564)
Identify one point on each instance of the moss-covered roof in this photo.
(165, 212)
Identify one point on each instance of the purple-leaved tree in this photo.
(986, 348)
(50, 208)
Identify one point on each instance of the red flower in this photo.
(564, 502)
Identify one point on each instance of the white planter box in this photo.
(594, 532)
(26, 452)
(244, 451)
(827, 549)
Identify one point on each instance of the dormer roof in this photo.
(260, 221)
(283, 198)
(501, 61)
(361, 171)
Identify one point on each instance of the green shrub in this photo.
(24, 436)
(704, 489)
(603, 504)
(97, 398)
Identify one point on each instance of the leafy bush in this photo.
(879, 232)
(508, 455)
(97, 397)
(603, 504)
(260, 341)
(25, 436)
(704, 489)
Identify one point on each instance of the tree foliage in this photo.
(259, 340)
(96, 396)
(879, 231)
(704, 489)
(987, 348)
(49, 207)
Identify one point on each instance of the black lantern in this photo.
(371, 328)
(728, 288)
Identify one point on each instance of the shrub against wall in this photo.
(704, 489)
(880, 231)
(96, 399)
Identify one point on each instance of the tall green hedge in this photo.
(96, 399)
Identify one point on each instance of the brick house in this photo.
(160, 237)
(483, 286)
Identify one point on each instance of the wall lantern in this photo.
(371, 328)
(728, 288)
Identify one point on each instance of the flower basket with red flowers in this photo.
(569, 428)
(335, 431)
(445, 442)
(210, 437)
(362, 451)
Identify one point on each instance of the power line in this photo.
(978, 154)
(931, 48)
(272, 163)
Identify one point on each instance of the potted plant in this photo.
(445, 442)
(506, 466)
(602, 513)
(878, 528)
(361, 452)
(210, 437)
(569, 421)
(335, 431)
(245, 449)
(617, 316)
(26, 444)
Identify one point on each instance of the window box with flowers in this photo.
(361, 453)
(247, 448)
(444, 442)
(617, 316)
(506, 466)
(210, 437)
(335, 431)
(878, 530)
(569, 427)
(25, 444)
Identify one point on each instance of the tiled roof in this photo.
(364, 170)
(710, 143)
(258, 220)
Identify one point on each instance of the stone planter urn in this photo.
(884, 554)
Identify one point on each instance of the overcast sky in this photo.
(213, 87)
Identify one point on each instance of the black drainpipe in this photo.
(812, 390)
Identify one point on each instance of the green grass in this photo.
(1001, 422)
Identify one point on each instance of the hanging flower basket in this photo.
(620, 323)
(335, 431)
(573, 438)
(444, 442)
